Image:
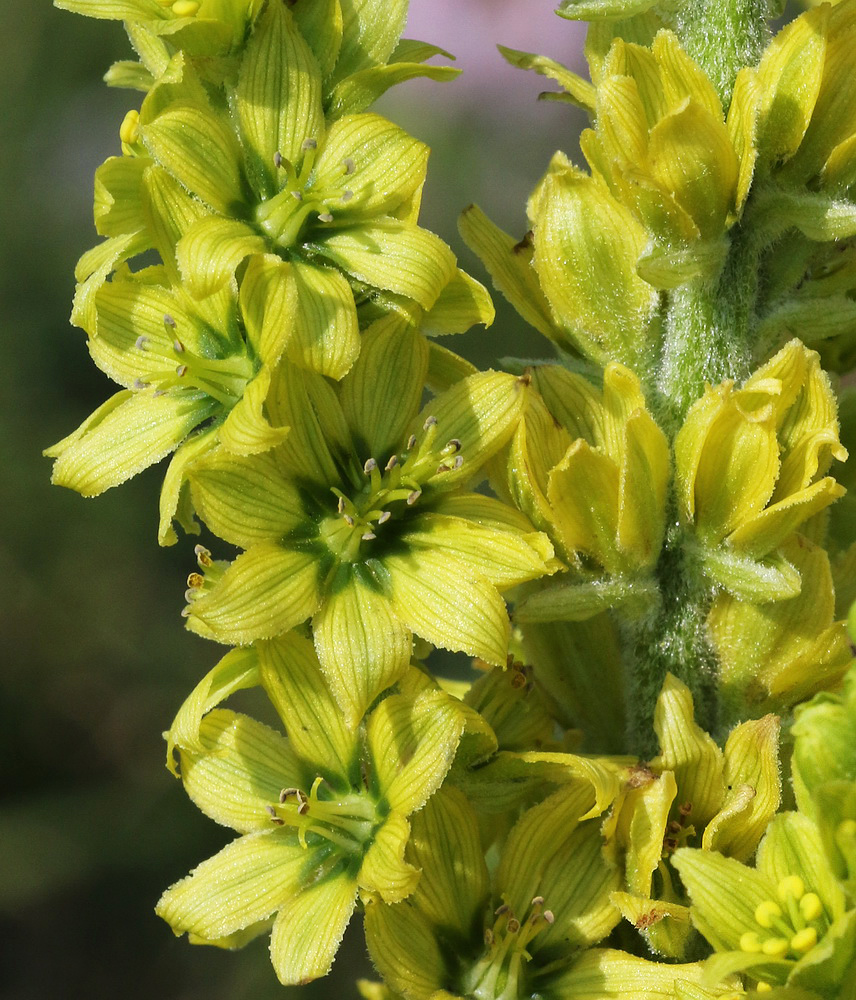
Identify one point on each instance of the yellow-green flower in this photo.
(750, 467)
(335, 204)
(691, 794)
(527, 929)
(322, 812)
(785, 922)
(362, 520)
(591, 468)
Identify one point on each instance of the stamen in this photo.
(459, 461)
(810, 906)
(347, 194)
(277, 159)
(750, 942)
(411, 442)
(140, 342)
(203, 556)
(309, 144)
(791, 886)
(370, 466)
(767, 912)
(775, 947)
(129, 130)
(429, 422)
(181, 371)
(178, 347)
(349, 165)
(413, 497)
(384, 517)
(804, 940)
(340, 506)
(140, 384)
(185, 8)
(325, 217)
(391, 464)
(349, 520)
(168, 321)
(368, 536)
(297, 195)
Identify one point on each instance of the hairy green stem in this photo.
(723, 35)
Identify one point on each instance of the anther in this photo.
(411, 442)
(130, 128)
(804, 940)
(513, 925)
(297, 195)
(309, 144)
(340, 506)
(391, 464)
(185, 8)
(429, 422)
(459, 461)
(287, 793)
(303, 808)
(368, 536)
(140, 384)
(502, 908)
(178, 347)
(370, 466)
(750, 942)
(325, 217)
(538, 901)
(347, 194)
(349, 165)
(444, 468)
(413, 497)
(548, 916)
(140, 342)
(775, 947)
(810, 906)
(767, 912)
(348, 520)
(384, 517)
(675, 826)
(168, 321)
(181, 371)
(277, 159)
(203, 555)
(790, 886)
(195, 580)
(272, 813)
(685, 809)
(452, 446)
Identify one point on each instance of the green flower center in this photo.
(389, 493)
(346, 820)
(789, 926)
(284, 216)
(497, 975)
(223, 379)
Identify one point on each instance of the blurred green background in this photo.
(95, 658)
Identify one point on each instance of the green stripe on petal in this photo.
(245, 500)
(384, 388)
(413, 744)
(268, 305)
(503, 558)
(371, 30)
(292, 678)
(118, 207)
(118, 442)
(481, 412)
(326, 334)
(384, 870)
(211, 250)
(385, 165)
(265, 592)
(442, 600)
(403, 946)
(445, 844)
(200, 152)
(246, 430)
(604, 974)
(240, 771)
(396, 257)
(278, 97)
(321, 24)
(724, 894)
(309, 929)
(362, 646)
(246, 882)
(362, 89)
(238, 669)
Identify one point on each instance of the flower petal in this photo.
(326, 336)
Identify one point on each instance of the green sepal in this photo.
(309, 929)
(325, 337)
(594, 10)
(384, 871)
(575, 602)
(237, 670)
(758, 580)
(321, 24)
(118, 207)
(174, 504)
(126, 74)
(370, 33)
(362, 646)
(360, 90)
(580, 91)
(127, 434)
(239, 770)
(462, 304)
(265, 592)
(210, 251)
(292, 678)
(605, 974)
(509, 264)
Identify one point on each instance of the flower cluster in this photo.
(643, 542)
